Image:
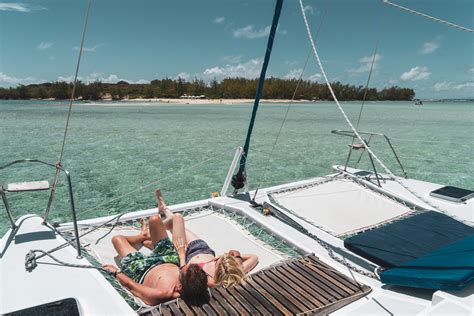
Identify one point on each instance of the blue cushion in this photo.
(408, 239)
(448, 268)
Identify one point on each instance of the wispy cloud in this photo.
(365, 64)
(88, 49)
(308, 9)
(141, 81)
(232, 59)
(296, 73)
(98, 76)
(44, 45)
(251, 33)
(291, 62)
(8, 81)
(293, 74)
(19, 7)
(219, 20)
(448, 86)
(416, 73)
(183, 75)
(249, 69)
(430, 47)
(315, 77)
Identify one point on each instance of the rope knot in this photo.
(30, 261)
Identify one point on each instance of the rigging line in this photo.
(354, 130)
(370, 73)
(462, 28)
(31, 263)
(368, 79)
(75, 81)
(300, 79)
(69, 242)
(61, 153)
(239, 179)
(154, 182)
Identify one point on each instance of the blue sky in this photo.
(142, 40)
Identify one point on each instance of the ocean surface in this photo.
(118, 153)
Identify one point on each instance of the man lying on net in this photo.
(156, 278)
(228, 270)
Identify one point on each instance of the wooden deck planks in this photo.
(256, 300)
(298, 286)
(236, 300)
(321, 271)
(175, 309)
(277, 296)
(315, 290)
(220, 304)
(352, 284)
(285, 295)
(267, 300)
(329, 291)
(185, 308)
(302, 294)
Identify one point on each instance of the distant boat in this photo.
(418, 102)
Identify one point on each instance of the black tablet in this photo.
(453, 194)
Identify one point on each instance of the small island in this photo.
(229, 88)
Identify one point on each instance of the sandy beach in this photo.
(211, 101)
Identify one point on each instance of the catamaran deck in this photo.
(301, 203)
(49, 282)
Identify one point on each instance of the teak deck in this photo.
(298, 286)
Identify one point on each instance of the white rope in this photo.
(300, 79)
(462, 28)
(356, 133)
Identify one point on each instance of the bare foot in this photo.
(162, 208)
(145, 231)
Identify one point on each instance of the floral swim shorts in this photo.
(135, 265)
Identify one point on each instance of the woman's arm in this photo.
(179, 238)
(249, 262)
(180, 246)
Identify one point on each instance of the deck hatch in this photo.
(453, 194)
(67, 306)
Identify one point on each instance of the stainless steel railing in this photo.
(357, 146)
(36, 187)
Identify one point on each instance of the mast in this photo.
(239, 179)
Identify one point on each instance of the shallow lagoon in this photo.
(121, 152)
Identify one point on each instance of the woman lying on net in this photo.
(228, 270)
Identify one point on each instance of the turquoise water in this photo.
(114, 149)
